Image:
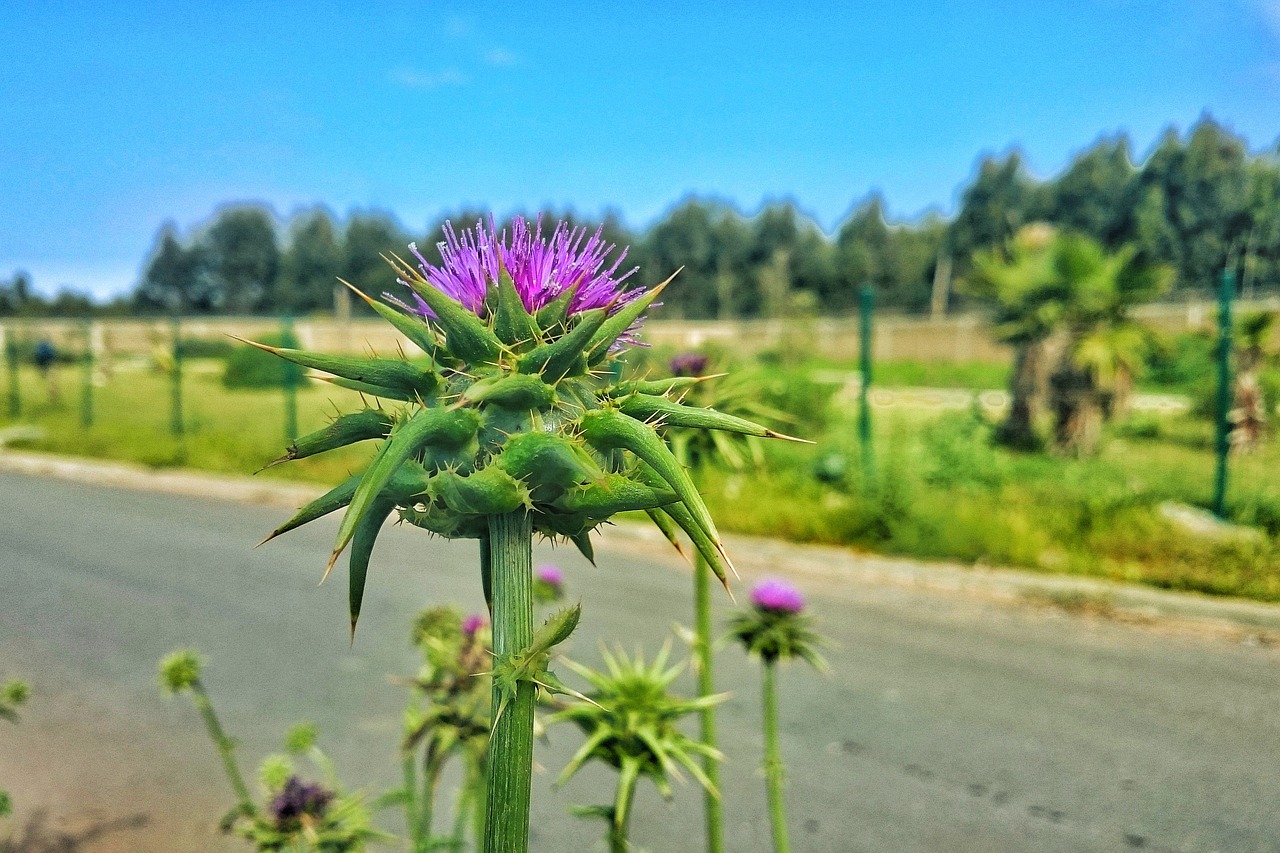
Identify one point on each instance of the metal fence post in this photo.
(1222, 445)
(866, 304)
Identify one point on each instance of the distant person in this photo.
(45, 355)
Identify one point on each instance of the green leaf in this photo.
(513, 390)
(390, 373)
(622, 319)
(366, 534)
(466, 335)
(608, 429)
(554, 359)
(512, 323)
(411, 327)
(489, 491)
(646, 407)
(447, 427)
(556, 312)
(345, 430)
(616, 493)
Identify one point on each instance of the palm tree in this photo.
(1019, 282)
(1249, 406)
(1104, 346)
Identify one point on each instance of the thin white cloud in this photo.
(1270, 10)
(500, 57)
(413, 78)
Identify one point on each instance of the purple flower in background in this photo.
(689, 364)
(472, 624)
(548, 584)
(297, 799)
(541, 268)
(777, 596)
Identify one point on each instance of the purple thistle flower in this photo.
(688, 364)
(297, 799)
(541, 268)
(551, 575)
(777, 596)
(472, 624)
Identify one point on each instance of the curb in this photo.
(846, 569)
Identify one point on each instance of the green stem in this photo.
(620, 830)
(86, 391)
(511, 746)
(175, 402)
(773, 760)
(431, 769)
(706, 686)
(411, 796)
(225, 746)
(11, 356)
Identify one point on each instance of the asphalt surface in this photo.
(953, 718)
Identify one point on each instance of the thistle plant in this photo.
(694, 448)
(776, 629)
(180, 673)
(298, 816)
(631, 723)
(449, 719)
(510, 425)
(12, 694)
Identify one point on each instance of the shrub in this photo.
(248, 367)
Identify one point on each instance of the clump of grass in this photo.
(1077, 602)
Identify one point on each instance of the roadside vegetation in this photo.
(942, 487)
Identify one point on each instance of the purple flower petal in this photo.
(472, 624)
(550, 575)
(540, 268)
(777, 596)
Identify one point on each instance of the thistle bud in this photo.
(180, 670)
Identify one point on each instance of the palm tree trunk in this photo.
(1026, 394)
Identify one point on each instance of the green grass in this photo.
(940, 490)
(233, 431)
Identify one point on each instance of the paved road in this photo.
(948, 723)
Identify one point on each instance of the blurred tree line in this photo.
(1197, 203)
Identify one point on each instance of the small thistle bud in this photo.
(180, 670)
(301, 738)
(274, 772)
(14, 693)
(548, 584)
(473, 624)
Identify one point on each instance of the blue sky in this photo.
(117, 116)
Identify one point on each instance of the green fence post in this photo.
(291, 378)
(86, 392)
(1222, 445)
(176, 420)
(866, 304)
(11, 358)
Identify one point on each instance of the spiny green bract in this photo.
(510, 410)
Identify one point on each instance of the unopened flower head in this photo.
(180, 670)
(541, 268)
(777, 596)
